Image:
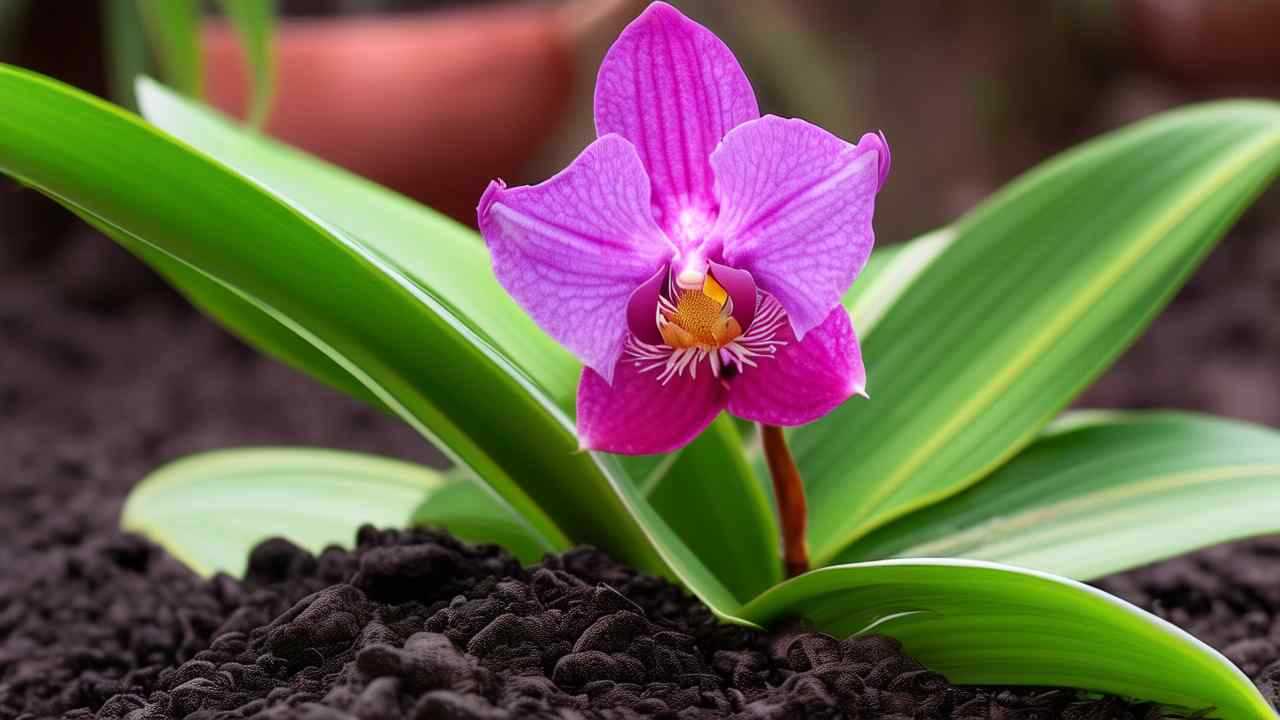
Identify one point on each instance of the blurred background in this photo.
(106, 372)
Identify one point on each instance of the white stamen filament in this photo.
(760, 340)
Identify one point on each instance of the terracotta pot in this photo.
(433, 105)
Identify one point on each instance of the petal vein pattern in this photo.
(673, 89)
(796, 204)
(571, 250)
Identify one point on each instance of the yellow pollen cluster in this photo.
(701, 319)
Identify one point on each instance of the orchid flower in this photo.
(694, 256)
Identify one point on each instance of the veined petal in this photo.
(741, 287)
(642, 308)
(571, 250)
(639, 415)
(795, 210)
(673, 89)
(806, 379)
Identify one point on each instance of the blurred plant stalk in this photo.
(788, 490)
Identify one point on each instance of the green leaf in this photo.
(435, 253)
(174, 29)
(469, 510)
(255, 21)
(888, 274)
(1103, 496)
(417, 331)
(240, 315)
(126, 44)
(718, 507)
(449, 261)
(1038, 292)
(209, 510)
(982, 623)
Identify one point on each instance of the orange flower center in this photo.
(699, 318)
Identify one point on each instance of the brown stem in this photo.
(789, 490)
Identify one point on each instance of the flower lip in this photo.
(643, 306)
(709, 310)
(741, 288)
(724, 321)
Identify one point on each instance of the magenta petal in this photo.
(673, 89)
(571, 250)
(881, 144)
(642, 308)
(741, 288)
(795, 211)
(638, 415)
(806, 379)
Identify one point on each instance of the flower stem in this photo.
(789, 491)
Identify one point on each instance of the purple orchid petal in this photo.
(571, 250)
(741, 288)
(795, 211)
(673, 89)
(806, 379)
(872, 140)
(642, 308)
(637, 415)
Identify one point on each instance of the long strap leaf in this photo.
(983, 623)
(1037, 292)
(1104, 495)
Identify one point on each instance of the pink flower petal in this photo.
(795, 211)
(805, 380)
(741, 288)
(571, 250)
(638, 415)
(881, 144)
(673, 89)
(642, 308)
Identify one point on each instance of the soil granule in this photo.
(418, 625)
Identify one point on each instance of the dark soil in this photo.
(418, 625)
(105, 374)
